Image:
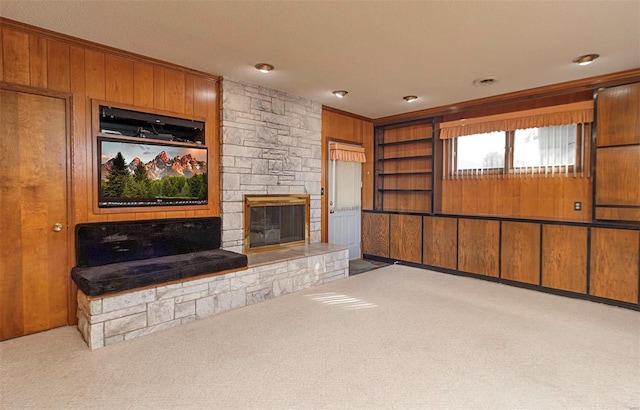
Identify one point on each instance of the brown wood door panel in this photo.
(478, 246)
(618, 176)
(440, 241)
(34, 273)
(520, 256)
(406, 238)
(564, 258)
(375, 234)
(614, 264)
(619, 115)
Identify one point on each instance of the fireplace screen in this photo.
(272, 221)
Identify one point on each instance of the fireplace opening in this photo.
(273, 221)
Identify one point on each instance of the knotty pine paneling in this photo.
(405, 243)
(479, 246)
(619, 115)
(440, 241)
(564, 258)
(520, 255)
(614, 264)
(375, 234)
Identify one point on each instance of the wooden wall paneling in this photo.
(342, 127)
(119, 79)
(520, 252)
(529, 195)
(200, 97)
(188, 94)
(213, 142)
(142, 84)
(505, 195)
(368, 167)
(81, 168)
(94, 65)
(405, 243)
(174, 91)
(619, 115)
(614, 264)
(577, 190)
(158, 88)
(440, 241)
(564, 258)
(2, 56)
(11, 321)
(15, 50)
(478, 246)
(618, 176)
(37, 61)
(618, 214)
(59, 73)
(375, 234)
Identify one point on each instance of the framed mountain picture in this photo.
(143, 172)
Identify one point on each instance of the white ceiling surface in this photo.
(378, 51)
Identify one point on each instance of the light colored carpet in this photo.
(395, 337)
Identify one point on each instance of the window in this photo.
(546, 150)
(546, 140)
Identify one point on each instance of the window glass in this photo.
(545, 146)
(481, 151)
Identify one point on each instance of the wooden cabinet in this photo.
(479, 246)
(440, 241)
(404, 168)
(375, 234)
(614, 264)
(406, 238)
(617, 195)
(520, 255)
(564, 258)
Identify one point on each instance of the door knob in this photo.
(331, 211)
(57, 227)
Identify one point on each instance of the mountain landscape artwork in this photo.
(149, 174)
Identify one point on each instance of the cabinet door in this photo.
(440, 241)
(520, 256)
(619, 115)
(375, 234)
(479, 246)
(406, 238)
(614, 264)
(564, 258)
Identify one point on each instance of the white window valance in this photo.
(575, 113)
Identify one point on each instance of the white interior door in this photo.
(345, 198)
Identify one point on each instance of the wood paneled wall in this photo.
(519, 197)
(586, 259)
(42, 59)
(48, 61)
(618, 153)
(340, 126)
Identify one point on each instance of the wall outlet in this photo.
(577, 206)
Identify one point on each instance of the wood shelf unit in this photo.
(404, 168)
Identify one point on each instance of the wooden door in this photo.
(34, 271)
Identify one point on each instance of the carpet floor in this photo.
(395, 337)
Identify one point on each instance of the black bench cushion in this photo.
(114, 242)
(116, 277)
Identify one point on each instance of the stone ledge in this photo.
(112, 319)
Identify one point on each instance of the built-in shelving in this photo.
(404, 168)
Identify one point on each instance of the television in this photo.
(143, 172)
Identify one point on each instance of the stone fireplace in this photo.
(271, 146)
(274, 221)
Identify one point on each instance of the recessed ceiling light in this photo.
(409, 98)
(340, 93)
(484, 81)
(264, 67)
(585, 59)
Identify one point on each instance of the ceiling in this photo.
(379, 51)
